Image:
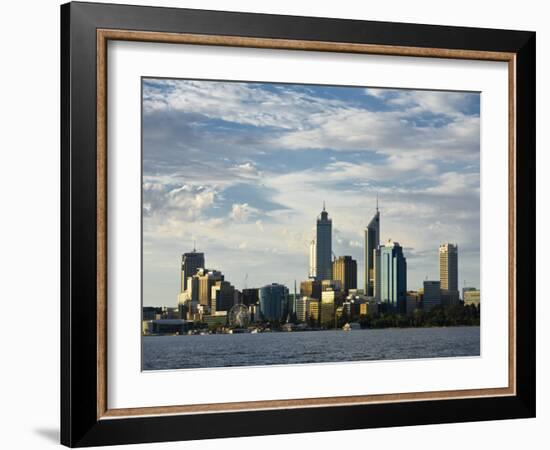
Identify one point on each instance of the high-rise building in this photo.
(332, 296)
(311, 288)
(312, 273)
(327, 313)
(372, 241)
(207, 279)
(274, 302)
(250, 296)
(222, 296)
(190, 263)
(431, 296)
(448, 266)
(376, 280)
(393, 276)
(344, 269)
(314, 313)
(323, 247)
(302, 309)
(331, 285)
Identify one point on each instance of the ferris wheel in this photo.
(239, 317)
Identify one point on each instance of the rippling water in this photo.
(224, 350)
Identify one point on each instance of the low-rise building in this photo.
(449, 298)
(217, 318)
(414, 301)
(431, 295)
(165, 326)
(368, 309)
(472, 297)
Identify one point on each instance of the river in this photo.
(226, 350)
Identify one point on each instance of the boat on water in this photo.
(351, 326)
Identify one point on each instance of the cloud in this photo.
(242, 212)
(243, 169)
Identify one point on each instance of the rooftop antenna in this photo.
(324, 206)
(245, 280)
(377, 202)
(194, 246)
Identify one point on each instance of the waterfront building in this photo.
(311, 288)
(183, 298)
(190, 263)
(331, 285)
(217, 319)
(327, 311)
(339, 313)
(466, 289)
(170, 312)
(207, 279)
(431, 295)
(335, 296)
(222, 296)
(292, 298)
(372, 241)
(254, 311)
(449, 298)
(151, 312)
(472, 297)
(414, 301)
(376, 286)
(323, 247)
(314, 310)
(344, 269)
(393, 277)
(192, 292)
(250, 296)
(165, 326)
(273, 302)
(312, 273)
(302, 309)
(368, 309)
(448, 271)
(350, 310)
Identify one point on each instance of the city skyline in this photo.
(249, 191)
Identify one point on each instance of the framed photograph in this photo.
(277, 224)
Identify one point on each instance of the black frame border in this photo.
(79, 424)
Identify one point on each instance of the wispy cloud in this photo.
(243, 169)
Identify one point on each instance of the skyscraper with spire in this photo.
(323, 247)
(190, 262)
(372, 241)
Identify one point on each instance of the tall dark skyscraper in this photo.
(372, 241)
(190, 262)
(323, 247)
(393, 276)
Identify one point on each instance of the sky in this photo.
(243, 168)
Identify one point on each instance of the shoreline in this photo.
(311, 330)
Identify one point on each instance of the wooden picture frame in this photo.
(86, 418)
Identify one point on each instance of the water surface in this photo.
(226, 350)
